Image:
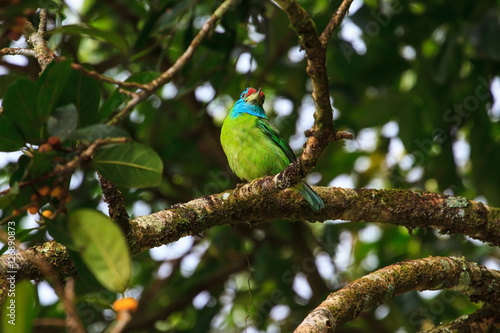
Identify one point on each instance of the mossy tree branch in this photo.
(36, 39)
(117, 211)
(433, 273)
(314, 45)
(263, 202)
(486, 319)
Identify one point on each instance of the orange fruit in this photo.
(47, 213)
(125, 304)
(33, 209)
(56, 192)
(44, 190)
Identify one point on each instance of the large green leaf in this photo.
(6, 199)
(102, 247)
(129, 164)
(62, 121)
(10, 137)
(41, 164)
(58, 229)
(117, 98)
(98, 131)
(5, 81)
(20, 108)
(84, 92)
(22, 194)
(19, 308)
(112, 38)
(53, 82)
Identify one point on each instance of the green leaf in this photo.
(20, 235)
(85, 94)
(58, 229)
(41, 164)
(62, 121)
(98, 131)
(20, 172)
(117, 98)
(5, 81)
(112, 38)
(20, 8)
(21, 300)
(10, 137)
(7, 199)
(85, 282)
(170, 18)
(129, 164)
(53, 82)
(19, 107)
(23, 194)
(102, 247)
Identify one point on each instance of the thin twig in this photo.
(341, 135)
(72, 320)
(42, 26)
(167, 76)
(127, 92)
(69, 167)
(103, 78)
(122, 320)
(17, 51)
(337, 17)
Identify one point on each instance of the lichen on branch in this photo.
(433, 273)
(263, 201)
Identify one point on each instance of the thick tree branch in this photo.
(36, 40)
(38, 262)
(433, 273)
(259, 200)
(263, 201)
(117, 212)
(486, 319)
(322, 130)
(103, 78)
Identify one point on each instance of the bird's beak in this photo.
(254, 98)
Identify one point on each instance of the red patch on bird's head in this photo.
(251, 91)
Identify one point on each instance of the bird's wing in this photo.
(272, 132)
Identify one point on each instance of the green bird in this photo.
(255, 148)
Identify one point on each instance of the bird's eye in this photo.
(243, 95)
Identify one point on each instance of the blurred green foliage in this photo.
(411, 80)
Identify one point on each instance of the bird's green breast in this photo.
(250, 152)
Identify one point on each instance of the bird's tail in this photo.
(308, 193)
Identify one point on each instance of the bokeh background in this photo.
(416, 83)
